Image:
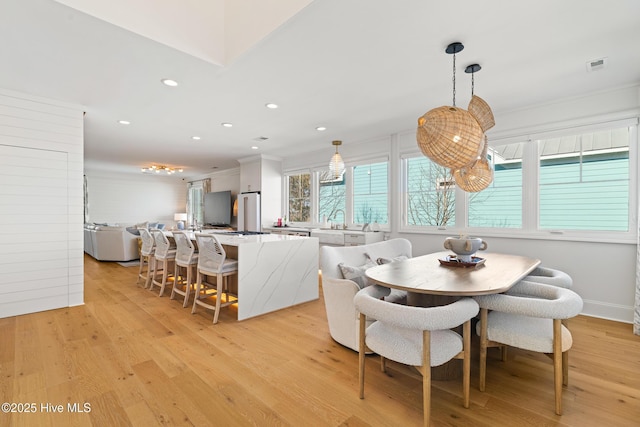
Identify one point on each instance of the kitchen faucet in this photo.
(344, 216)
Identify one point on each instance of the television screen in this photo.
(217, 208)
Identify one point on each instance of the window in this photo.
(500, 205)
(584, 181)
(576, 182)
(195, 200)
(430, 193)
(299, 196)
(331, 198)
(370, 193)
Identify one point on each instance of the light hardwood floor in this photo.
(141, 360)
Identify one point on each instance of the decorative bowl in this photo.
(464, 246)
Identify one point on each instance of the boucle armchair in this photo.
(416, 336)
(550, 276)
(339, 292)
(530, 317)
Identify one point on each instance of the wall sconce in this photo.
(336, 165)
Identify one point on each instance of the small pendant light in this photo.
(336, 165)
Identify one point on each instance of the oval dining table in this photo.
(430, 283)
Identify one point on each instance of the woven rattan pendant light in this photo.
(478, 175)
(450, 136)
(478, 107)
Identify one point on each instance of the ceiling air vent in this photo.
(596, 64)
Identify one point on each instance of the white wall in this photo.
(41, 213)
(129, 199)
(603, 273)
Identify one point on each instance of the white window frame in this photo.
(349, 188)
(404, 188)
(285, 192)
(530, 193)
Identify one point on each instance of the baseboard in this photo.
(617, 312)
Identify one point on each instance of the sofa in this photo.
(338, 262)
(110, 243)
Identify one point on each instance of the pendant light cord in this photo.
(454, 79)
(472, 83)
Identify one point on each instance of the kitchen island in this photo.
(274, 271)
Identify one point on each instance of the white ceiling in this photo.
(362, 68)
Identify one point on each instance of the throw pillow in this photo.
(396, 296)
(382, 260)
(357, 273)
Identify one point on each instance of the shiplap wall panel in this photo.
(41, 214)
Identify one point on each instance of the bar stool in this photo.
(187, 259)
(147, 257)
(165, 257)
(213, 262)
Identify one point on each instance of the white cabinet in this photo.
(263, 174)
(347, 237)
(289, 231)
(357, 238)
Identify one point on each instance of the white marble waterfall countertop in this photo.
(275, 271)
(237, 240)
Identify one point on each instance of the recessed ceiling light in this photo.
(255, 147)
(169, 82)
(124, 122)
(271, 105)
(227, 125)
(321, 128)
(195, 138)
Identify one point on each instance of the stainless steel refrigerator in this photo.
(249, 212)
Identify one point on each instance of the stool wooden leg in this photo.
(176, 282)
(188, 287)
(219, 287)
(197, 293)
(151, 269)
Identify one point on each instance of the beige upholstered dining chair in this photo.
(339, 292)
(147, 258)
(530, 317)
(550, 276)
(415, 336)
(165, 256)
(213, 262)
(187, 260)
